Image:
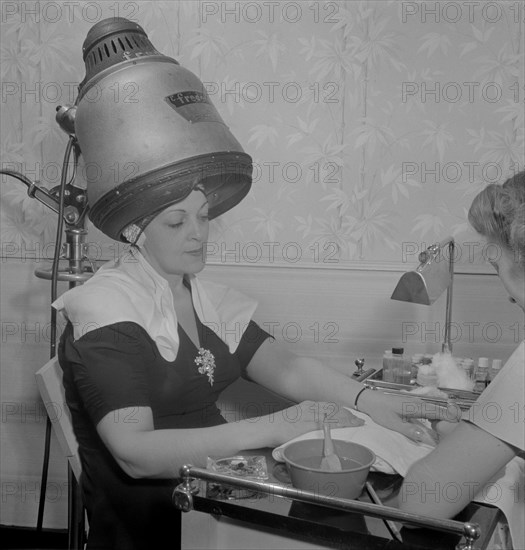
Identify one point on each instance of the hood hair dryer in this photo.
(148, 132)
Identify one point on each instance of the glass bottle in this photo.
(481, 375)
(388, 374)
(402, 371)
(496, 367)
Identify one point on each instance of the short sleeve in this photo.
(499, 410)
(251, 340)
(108, 368)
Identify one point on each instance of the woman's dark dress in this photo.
(119, 367)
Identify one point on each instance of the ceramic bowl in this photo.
(303, 461)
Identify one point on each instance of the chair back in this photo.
(49, 382)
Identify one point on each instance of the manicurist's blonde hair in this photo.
(498, 213)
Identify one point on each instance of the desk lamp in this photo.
(426, 283)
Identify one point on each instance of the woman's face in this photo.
(510, 272)
(176, 238)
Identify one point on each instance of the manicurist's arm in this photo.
(445, 481)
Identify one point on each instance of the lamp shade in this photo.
(422, 287)
(148, 132)
(430, 279)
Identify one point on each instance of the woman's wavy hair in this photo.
(498, 213)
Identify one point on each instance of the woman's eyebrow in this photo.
(182, 210)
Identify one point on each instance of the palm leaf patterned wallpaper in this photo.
(371, 124)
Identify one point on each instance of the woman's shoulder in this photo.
(122, 336)
(101, 295)
(99, 303)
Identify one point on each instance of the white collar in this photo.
(130, 289)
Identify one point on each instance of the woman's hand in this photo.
(307, 378)
(401, 414)
(308, 416)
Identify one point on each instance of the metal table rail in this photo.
(184, 492)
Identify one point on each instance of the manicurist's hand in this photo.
(402, 414)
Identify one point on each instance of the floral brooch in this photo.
(206, 362)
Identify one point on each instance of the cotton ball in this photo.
(449, 374)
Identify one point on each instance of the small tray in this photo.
(240, 466)
(245, 466)
(462, 398)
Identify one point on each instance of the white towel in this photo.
(394, 452)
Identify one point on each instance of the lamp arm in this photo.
(445, 241)
(447, 345)
(433, 250)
